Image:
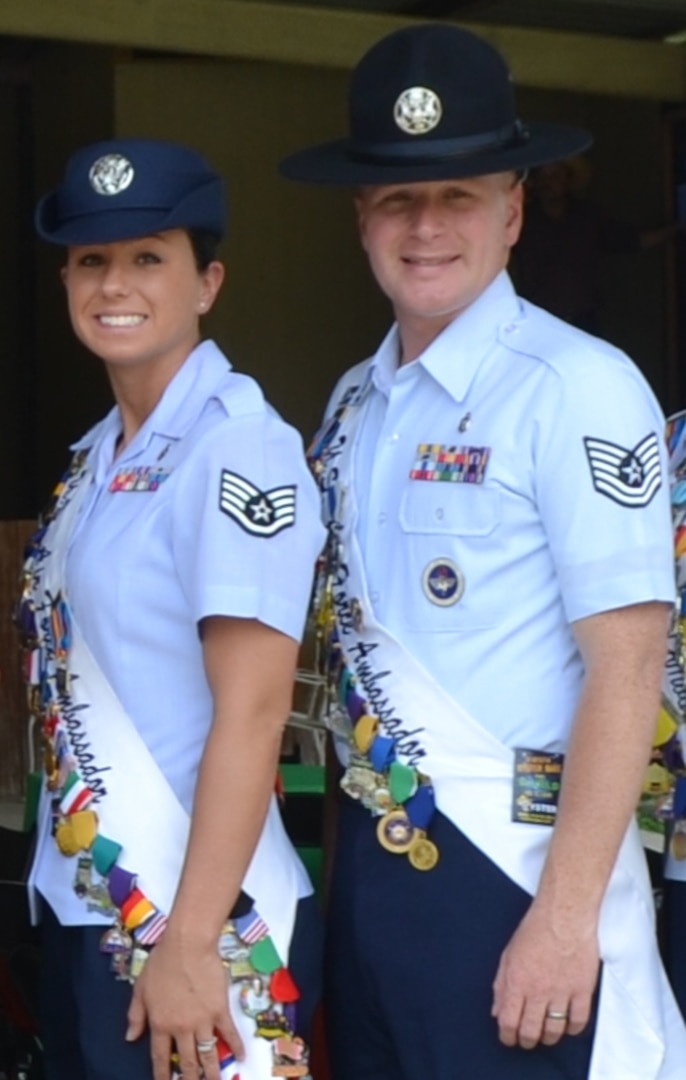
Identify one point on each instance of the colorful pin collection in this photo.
(663, 798)
(398, 794)
(245, 945)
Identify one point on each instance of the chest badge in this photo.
(140, 478)
(443, 582)
(455, 464)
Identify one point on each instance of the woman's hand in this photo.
(181, 995)
(182, 992)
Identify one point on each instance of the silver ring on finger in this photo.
(554, 1014)
(206, 1046)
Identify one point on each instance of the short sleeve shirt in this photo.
(210, 510)
(566, 514)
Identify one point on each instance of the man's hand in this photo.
(545, 969)
(551, 964)
(181, 995)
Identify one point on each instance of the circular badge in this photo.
(395, 832)
(423, 854)
(417, 110)
(443, 582)
(111, 174)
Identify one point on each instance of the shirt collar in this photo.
(177, 410)
(453, 358)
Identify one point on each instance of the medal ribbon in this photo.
(399, 794)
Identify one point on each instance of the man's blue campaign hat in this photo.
(432, 102)
(125, 188)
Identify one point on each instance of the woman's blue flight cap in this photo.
(125, 188)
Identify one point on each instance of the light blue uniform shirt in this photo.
(144, 567)
(538, 544)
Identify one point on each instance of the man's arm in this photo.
(552, 961)
(182, 992)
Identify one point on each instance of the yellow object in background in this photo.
(657, 780)
(666, 727)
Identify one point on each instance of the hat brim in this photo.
(202, 208)
(336, 162)
(104, 228)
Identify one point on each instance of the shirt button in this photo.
(439, 513)
(374, 597)
(394, 437)
(383, 518)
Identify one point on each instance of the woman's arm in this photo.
(182, 992)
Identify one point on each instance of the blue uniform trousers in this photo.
(410, 961)
(674, 938)
(83, 1008)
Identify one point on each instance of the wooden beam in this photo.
(289, 33)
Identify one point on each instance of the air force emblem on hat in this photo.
(443, 582)
(628, 477)
(111, 174)
(417, 110)
(261, 513)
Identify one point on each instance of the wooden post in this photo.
(14, 758)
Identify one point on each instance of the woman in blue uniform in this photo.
(164, 597)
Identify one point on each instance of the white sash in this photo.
(137, 808)
(640, 1033)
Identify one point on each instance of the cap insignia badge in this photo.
(417, 110)
(111, 174)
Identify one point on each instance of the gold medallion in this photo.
(677, 845)
(423, 854)
(365, 732)
(65, 839)
(396, 832)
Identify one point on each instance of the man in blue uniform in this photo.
(494, 607)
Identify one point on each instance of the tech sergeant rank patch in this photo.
(628, 477)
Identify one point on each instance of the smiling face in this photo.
(136, 303)
(434, 247)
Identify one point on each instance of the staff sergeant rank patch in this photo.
(628, 477)
(261, 513)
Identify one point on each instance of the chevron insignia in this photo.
(261, 513)
(628, 477)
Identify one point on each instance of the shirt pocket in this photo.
(451, 530)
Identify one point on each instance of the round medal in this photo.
(423, 854)
(395, 832)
